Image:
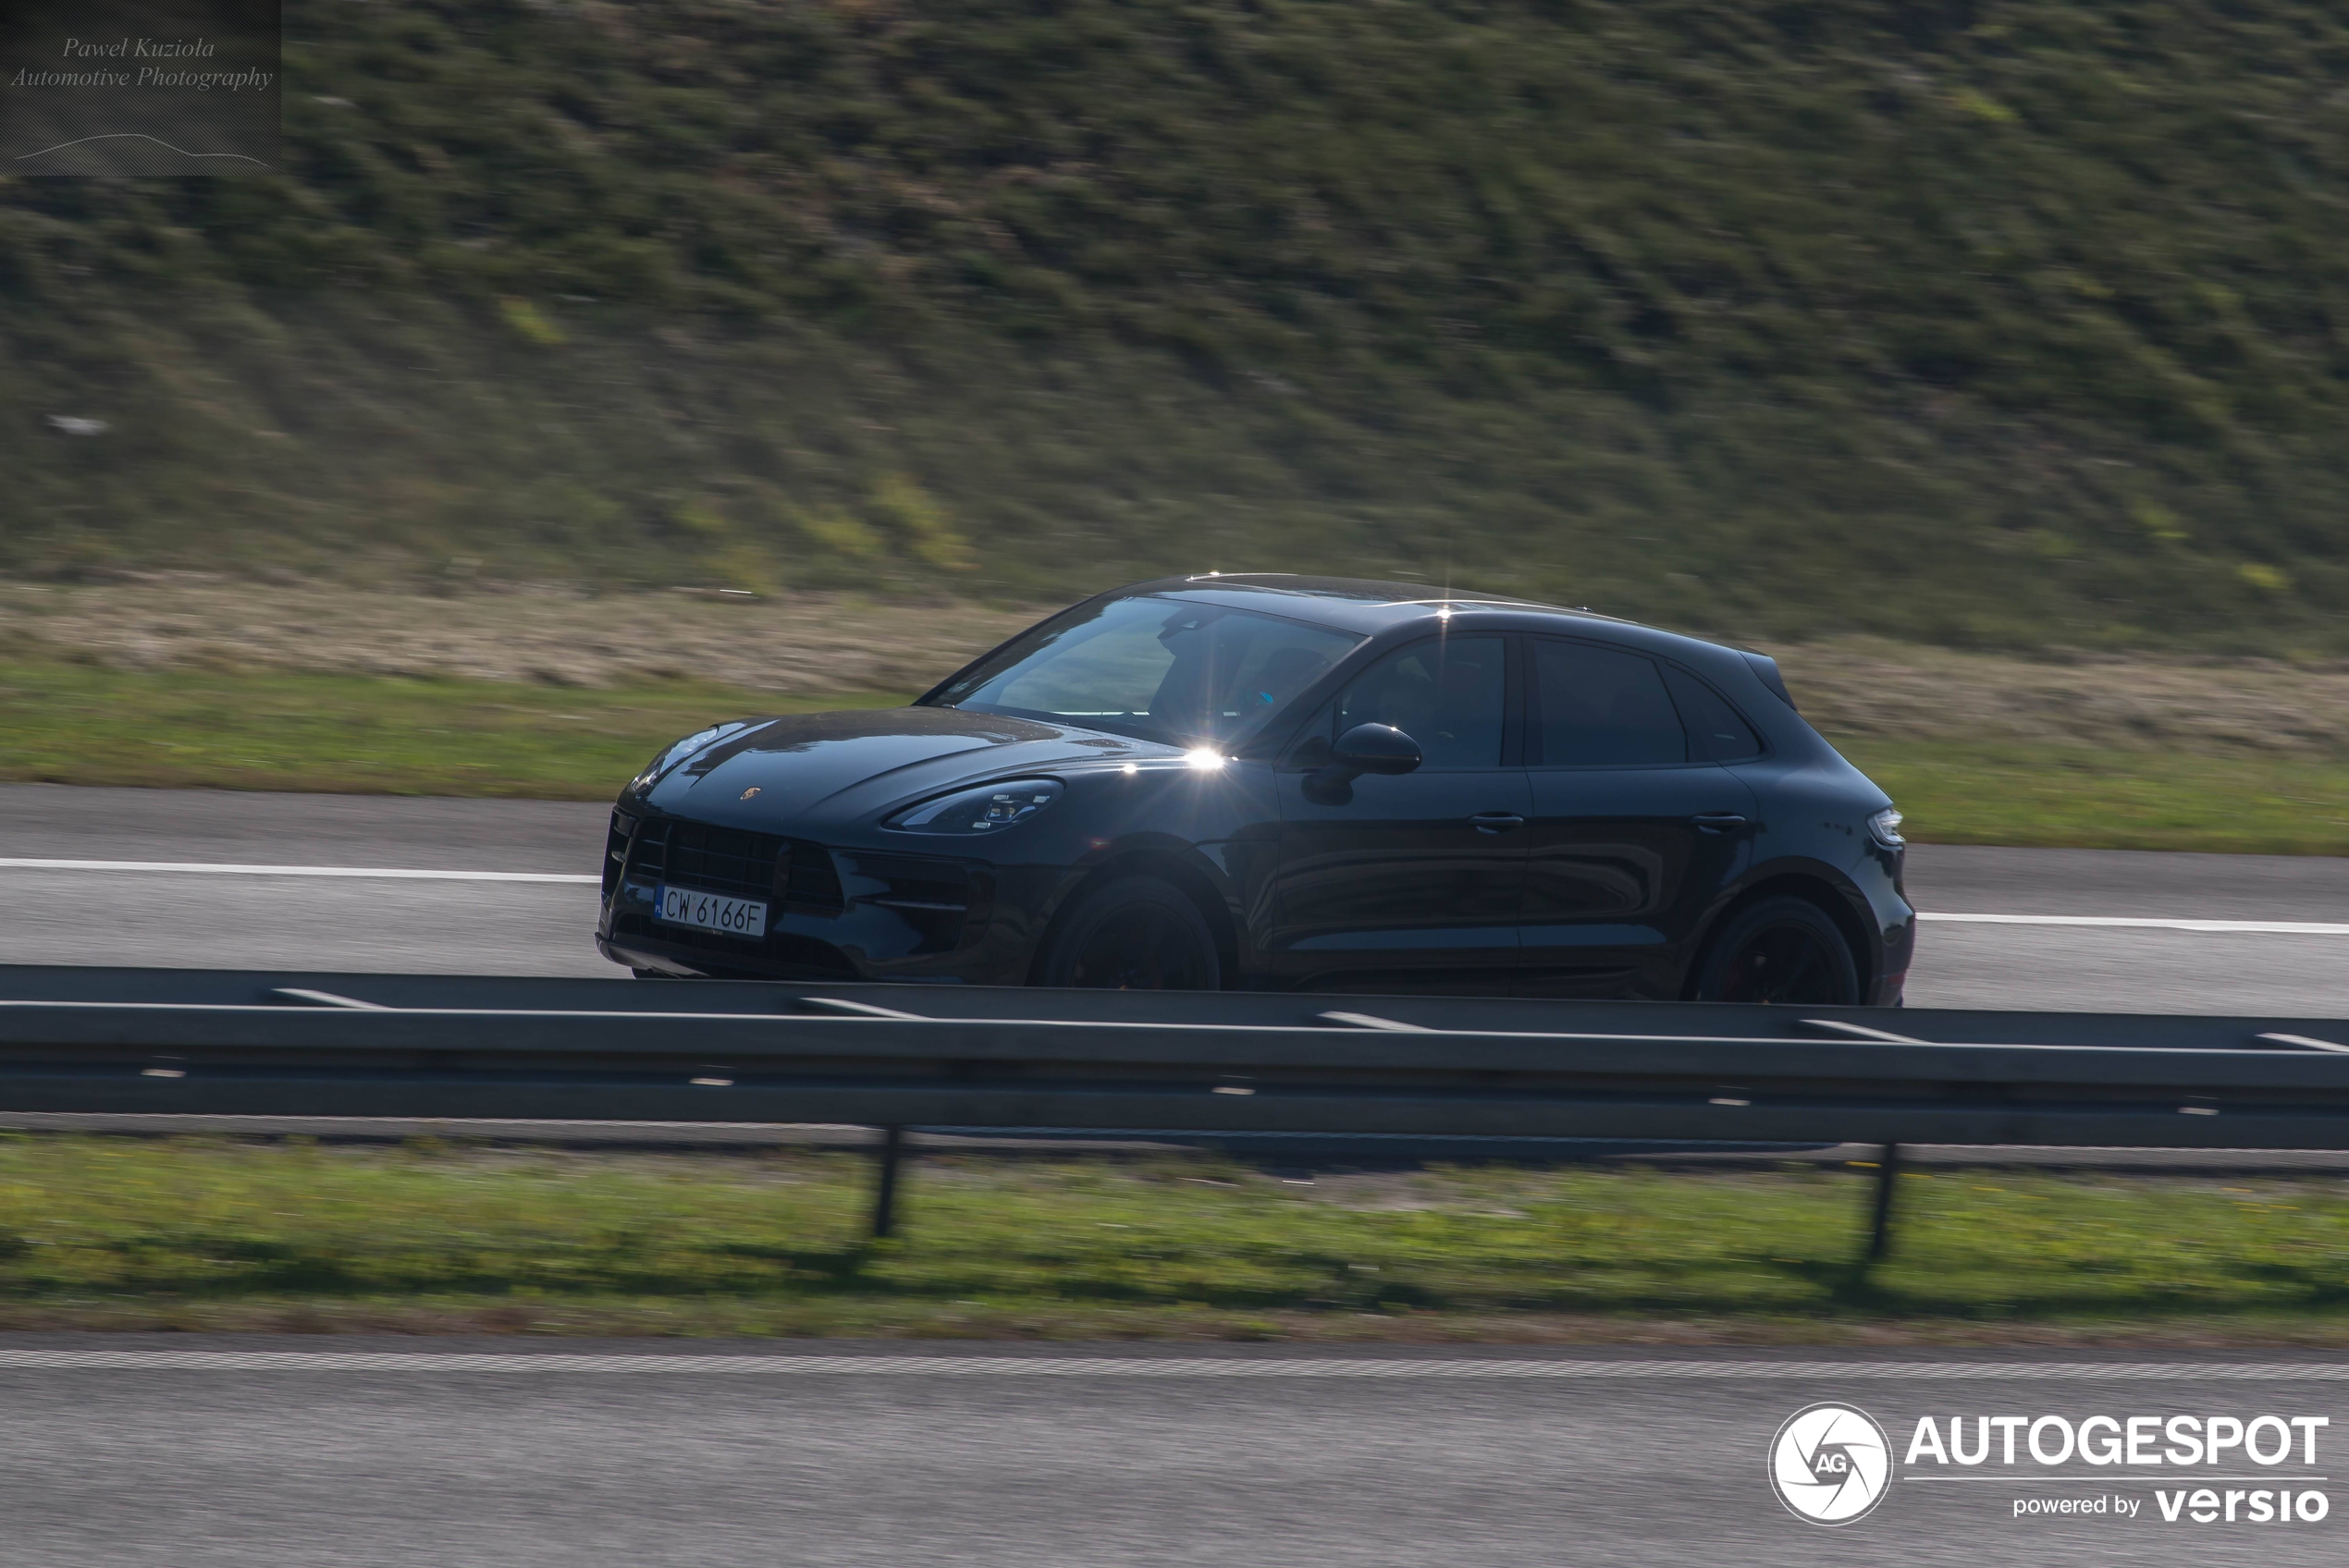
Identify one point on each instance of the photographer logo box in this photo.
(1830, 1464)
(2135, 1443)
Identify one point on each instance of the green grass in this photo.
(71, 723)
(203, 1234)
(2111, 799)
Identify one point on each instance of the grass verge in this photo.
(2110, 798)
(201, 1234)
(68, 722)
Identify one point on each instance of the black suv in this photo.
(1285, 783)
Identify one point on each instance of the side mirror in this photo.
(1369, 747)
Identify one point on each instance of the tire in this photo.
(1785, 952)
(1136, 934)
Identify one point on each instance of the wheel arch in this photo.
(1168, 864)
(1818, 885)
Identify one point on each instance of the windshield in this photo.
(1158, 668)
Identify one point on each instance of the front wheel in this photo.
(1136, 934)
(1781, 950)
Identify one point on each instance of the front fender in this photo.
(1866, 893)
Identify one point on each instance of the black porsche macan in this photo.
(1276, 782)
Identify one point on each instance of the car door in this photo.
(1410, 881)
(1636, 824)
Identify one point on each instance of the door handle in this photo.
(1497, 821)
(1718, 821)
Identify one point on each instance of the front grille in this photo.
(797, 873)
(717, 860)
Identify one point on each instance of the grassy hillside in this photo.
(2004, 321)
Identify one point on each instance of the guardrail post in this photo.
(1888, 1171)
(885, 1192)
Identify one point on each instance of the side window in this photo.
(1715, 732)
(1599, 707)
(1445, 694)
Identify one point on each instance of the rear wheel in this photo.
(1136, 934)
(1781, 950)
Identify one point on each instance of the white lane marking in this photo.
(210, 868)
(327, 998)
(213, 868)
(2149, 923)
(1136, 1366)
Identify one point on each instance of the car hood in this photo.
(852, 762)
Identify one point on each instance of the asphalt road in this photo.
(317, 1459)
(325, 1451)
(210, 922)
(183, 918)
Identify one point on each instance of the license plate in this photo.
(711, 912)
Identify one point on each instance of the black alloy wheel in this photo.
(1137, 934)
(1784, 951)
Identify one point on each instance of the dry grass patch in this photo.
(817, 643)
(801, 644)
(186, 681)
(1879, 690)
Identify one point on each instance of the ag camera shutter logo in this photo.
(1830, 1464)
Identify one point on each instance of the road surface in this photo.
(306, 1451)
(150, 916)
(296, 1453)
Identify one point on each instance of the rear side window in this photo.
(1602, 708)
(1715, 732)
(1447, 695)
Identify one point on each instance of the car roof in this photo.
(1353, 604)
(1369, 607)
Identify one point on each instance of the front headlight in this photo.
(1885, 827)
(986, 809)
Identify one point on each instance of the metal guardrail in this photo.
(1451, 1014)
(242, 1043)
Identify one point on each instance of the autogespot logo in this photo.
(1830, 1464)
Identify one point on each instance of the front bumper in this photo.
(1891, 977)
(1884, 886)
(833, 913)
